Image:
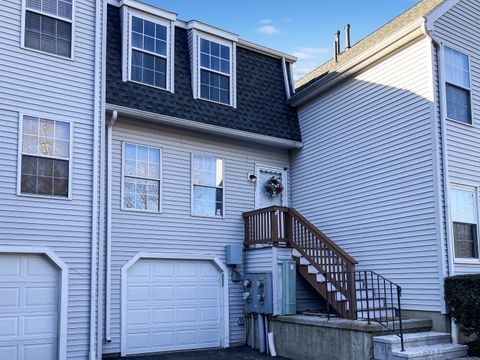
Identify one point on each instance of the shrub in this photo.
(462, 295)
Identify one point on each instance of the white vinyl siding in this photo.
(365, 175)
(175, 230)
(53, 88)
(458, 29)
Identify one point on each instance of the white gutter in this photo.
(446, 174)
(285, 78)
(266, 51)
(95, 219)
(108, 266)
(359, 63)
(206, 128)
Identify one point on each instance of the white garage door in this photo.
(172, 305)
(29, 286)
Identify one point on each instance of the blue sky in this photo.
(304, 28)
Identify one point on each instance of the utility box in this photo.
(258, 293)
(234, 255)
(289, 288)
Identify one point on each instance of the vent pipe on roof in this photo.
(336, 46)
(347, 37)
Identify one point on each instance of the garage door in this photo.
(29, 286)
(172, 305)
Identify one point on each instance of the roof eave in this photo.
(205, 128)
(384, 48)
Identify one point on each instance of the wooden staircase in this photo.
(351, 294)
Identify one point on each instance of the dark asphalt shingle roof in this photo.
(422, 9)
(261, 99)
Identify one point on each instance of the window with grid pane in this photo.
(149, 42)
(458, 91)
(141, 178)
(215, 71)
(45, 158)
(207, 178)
(464, 217)
(48, 26)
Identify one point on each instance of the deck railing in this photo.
(284, 226)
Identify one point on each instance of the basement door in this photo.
(29, 307)
(265, 174)
(172, 305)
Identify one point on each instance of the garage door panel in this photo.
(184, 306)
(9, 297)
(138, 294)
(33, 297)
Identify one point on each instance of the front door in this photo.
(271, 186)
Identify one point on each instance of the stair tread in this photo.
(393, 339)
(429, 349)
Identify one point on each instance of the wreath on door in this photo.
(274, 187)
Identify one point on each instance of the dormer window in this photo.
(213, 61)
(215, 71)
(148, 52)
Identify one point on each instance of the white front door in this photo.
(172, 305)
(265, 196)
(29, 299)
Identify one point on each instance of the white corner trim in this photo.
(62, 330)
(221, 267)
(206, 128)
(438, 12)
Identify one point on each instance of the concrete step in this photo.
(383, 345)
(431, 352)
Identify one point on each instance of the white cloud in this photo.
(309, 58)
(268, 30)
(266, 21)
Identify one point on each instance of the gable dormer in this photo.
(148, 45)
(213, 63)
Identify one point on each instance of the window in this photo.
(215, 71)
(48, 26)
(141, 178)
(45, 157)
(207, 181)
(149, 52)
(458, 91)
(464, 217)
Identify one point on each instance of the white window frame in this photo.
(192, 186)
(20, 153)
(195, 39)
(128, 48)
(470, 89)
(71, 21)
(160, 179)
(474, 190)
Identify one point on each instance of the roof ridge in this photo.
(421, 9)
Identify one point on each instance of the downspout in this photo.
(285, 78)
(101, 254)
(446, 176)
(95, 172)
(108, 266)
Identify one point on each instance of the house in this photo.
(390, 131)
(50, 115)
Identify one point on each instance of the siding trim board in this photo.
(221, 267)
(63, 318)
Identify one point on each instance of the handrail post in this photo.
(288, 228)
(274, 224)
(353, 290)
(246, 231)
(399, 295)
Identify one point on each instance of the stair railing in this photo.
(379, 301)
(284, 226)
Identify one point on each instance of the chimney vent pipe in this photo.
(347, 37)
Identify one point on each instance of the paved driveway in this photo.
(237, 353)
